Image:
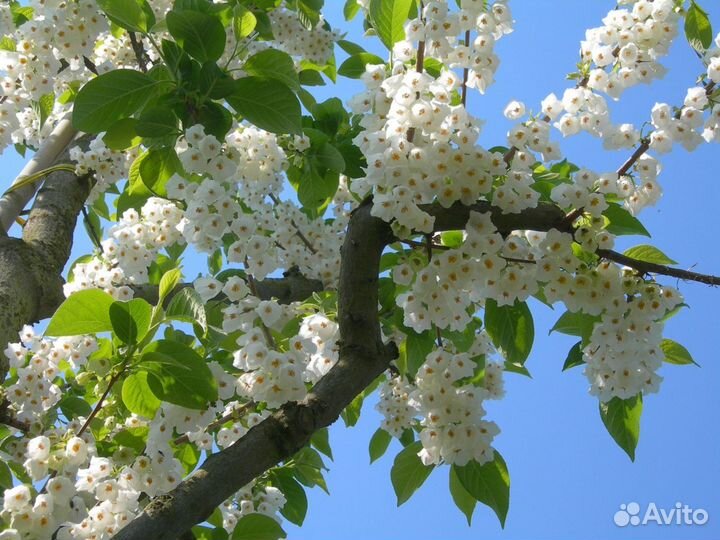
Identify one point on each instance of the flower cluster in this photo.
(38, 363)
(447, 395)
(293, 37)
(624, 351)
(107, 166)
(132, 246)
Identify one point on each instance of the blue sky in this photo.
(568, 476)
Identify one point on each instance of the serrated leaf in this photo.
(257, 527)
(267, 103)
(511, 329)
(200, 35)
(110, 97)
(676, 353)
(408, 473)
(647, 253)
(460, 496)
(622, 420)
(84, 312)
(388, 18)
(137, 396)
(379, 443)
(698, 28)
(488, 483)
(273, 64)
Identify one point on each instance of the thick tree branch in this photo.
(30, 268)
(12, 203)
(363, 357)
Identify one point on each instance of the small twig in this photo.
(637, 154)
(235, 414)
(7, 417)
(140, 54)
(99, 404)
(298, 232)
(465, 74)
(90, 65)
(653, 268)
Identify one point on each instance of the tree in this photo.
(200, 107)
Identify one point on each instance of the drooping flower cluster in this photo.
(293, 37)
(624, 351)
(107, 166)
(448, 403)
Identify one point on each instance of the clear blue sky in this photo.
(568, 476)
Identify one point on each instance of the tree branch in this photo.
(363, 357)
(653, 268)
(12, 203)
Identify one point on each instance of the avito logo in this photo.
(680, 514)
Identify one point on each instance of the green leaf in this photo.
(257, 527)
(574, 357)
(351, 413)
(621, 222)
(350, 9)
(622, 420)
(6, 479)
(73, 406)
(44, 107)
(133, 15)
(388, 18)
(131, 320)
(84, 312)
(488, 483)
(188, 455)
(168, 282)
(321, 440)
(273, 64)
(462, 499)
(187, 306)
(179, 375)
(315, 190)
(122, 135)
(244, 22)
(156, 168)
(354, 66)
(295, 507)
(676, 353)
(698, 28)
(511, 329)
(157, 122)
(350, 47)
(408, 473)
(649, 254)
(307, 467)
(137, 396)
(451, 239)
(267, 103)
(379, 444)
(110, 97)
(576, 324)
(200, 35)
(417, 347)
